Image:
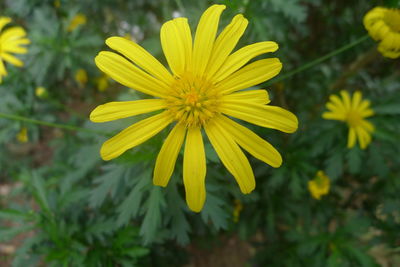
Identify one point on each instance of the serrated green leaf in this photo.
(152, 218)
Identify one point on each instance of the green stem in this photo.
(319, 60)
(51, 124)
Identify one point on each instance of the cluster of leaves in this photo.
(76, 210)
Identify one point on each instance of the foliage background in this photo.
(61, 205)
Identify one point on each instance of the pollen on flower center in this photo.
(392, 19)
(192, 100)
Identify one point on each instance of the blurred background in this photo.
(61, 205)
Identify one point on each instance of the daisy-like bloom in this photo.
(353, 112)
(205, 87)
(11, 41)
(383, 24)
(77, 20)
(319, 186)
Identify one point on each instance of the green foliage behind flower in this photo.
(68, 207)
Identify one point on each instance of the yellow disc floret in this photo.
(193, 100)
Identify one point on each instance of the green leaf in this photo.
(215, 211)
(152, 218)
(354, 160)
(131, 205)
(9, 233)
(387, 109)
(15, 215)
(106, 184)
(39, 192)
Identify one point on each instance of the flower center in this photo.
(353, 118)
(192, 100)
(392, 19)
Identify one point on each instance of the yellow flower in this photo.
(11, 40)
(81, 77)
(40, 92)
(319, 186)
(22, 135)
(352, 111)
(102, 83)
(77, 20)
(57, 3)
(383, 24)
(205, 87)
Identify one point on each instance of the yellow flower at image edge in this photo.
(353, 112)
(205, 87)
(11, 41)
(383, 24)
(319, 186)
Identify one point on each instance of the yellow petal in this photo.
(239, 58)
(119, 110)
(333, 116)
(362, 137)
(337, 102)
(134, 135)
(335, 109)
(140, 57)
(225, 43)
(369, 127)
(3, 22)
(11, 59)
(12, 33)
(10, 47)
(356, 99)
(255, 96)
(176, 42)
(128, 74)
(166, 159)
(262, 115)
(250, 75)
(251, 142)
(346, 99)
(231, 156)
(194, 170)
(352, 138)
(205, 37)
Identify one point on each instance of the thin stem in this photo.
(51, 124)
(319, 60)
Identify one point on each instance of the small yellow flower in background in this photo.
(237, 209)
(40, 92)
(22, 135)
(353, 112)
(205, 87)
(383, 24)
(102, 83)
(81, 77)
(11, 41)
(319, 186)
(77, 20)
(57, 3)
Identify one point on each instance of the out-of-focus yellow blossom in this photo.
(236, 210)
(40, 92)
(22, 135)
(77, 20)
(102, 83)
(81, 77)
(353, 112)
(57, 3)
(319, 186)
(11, 41)
(383, 24)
